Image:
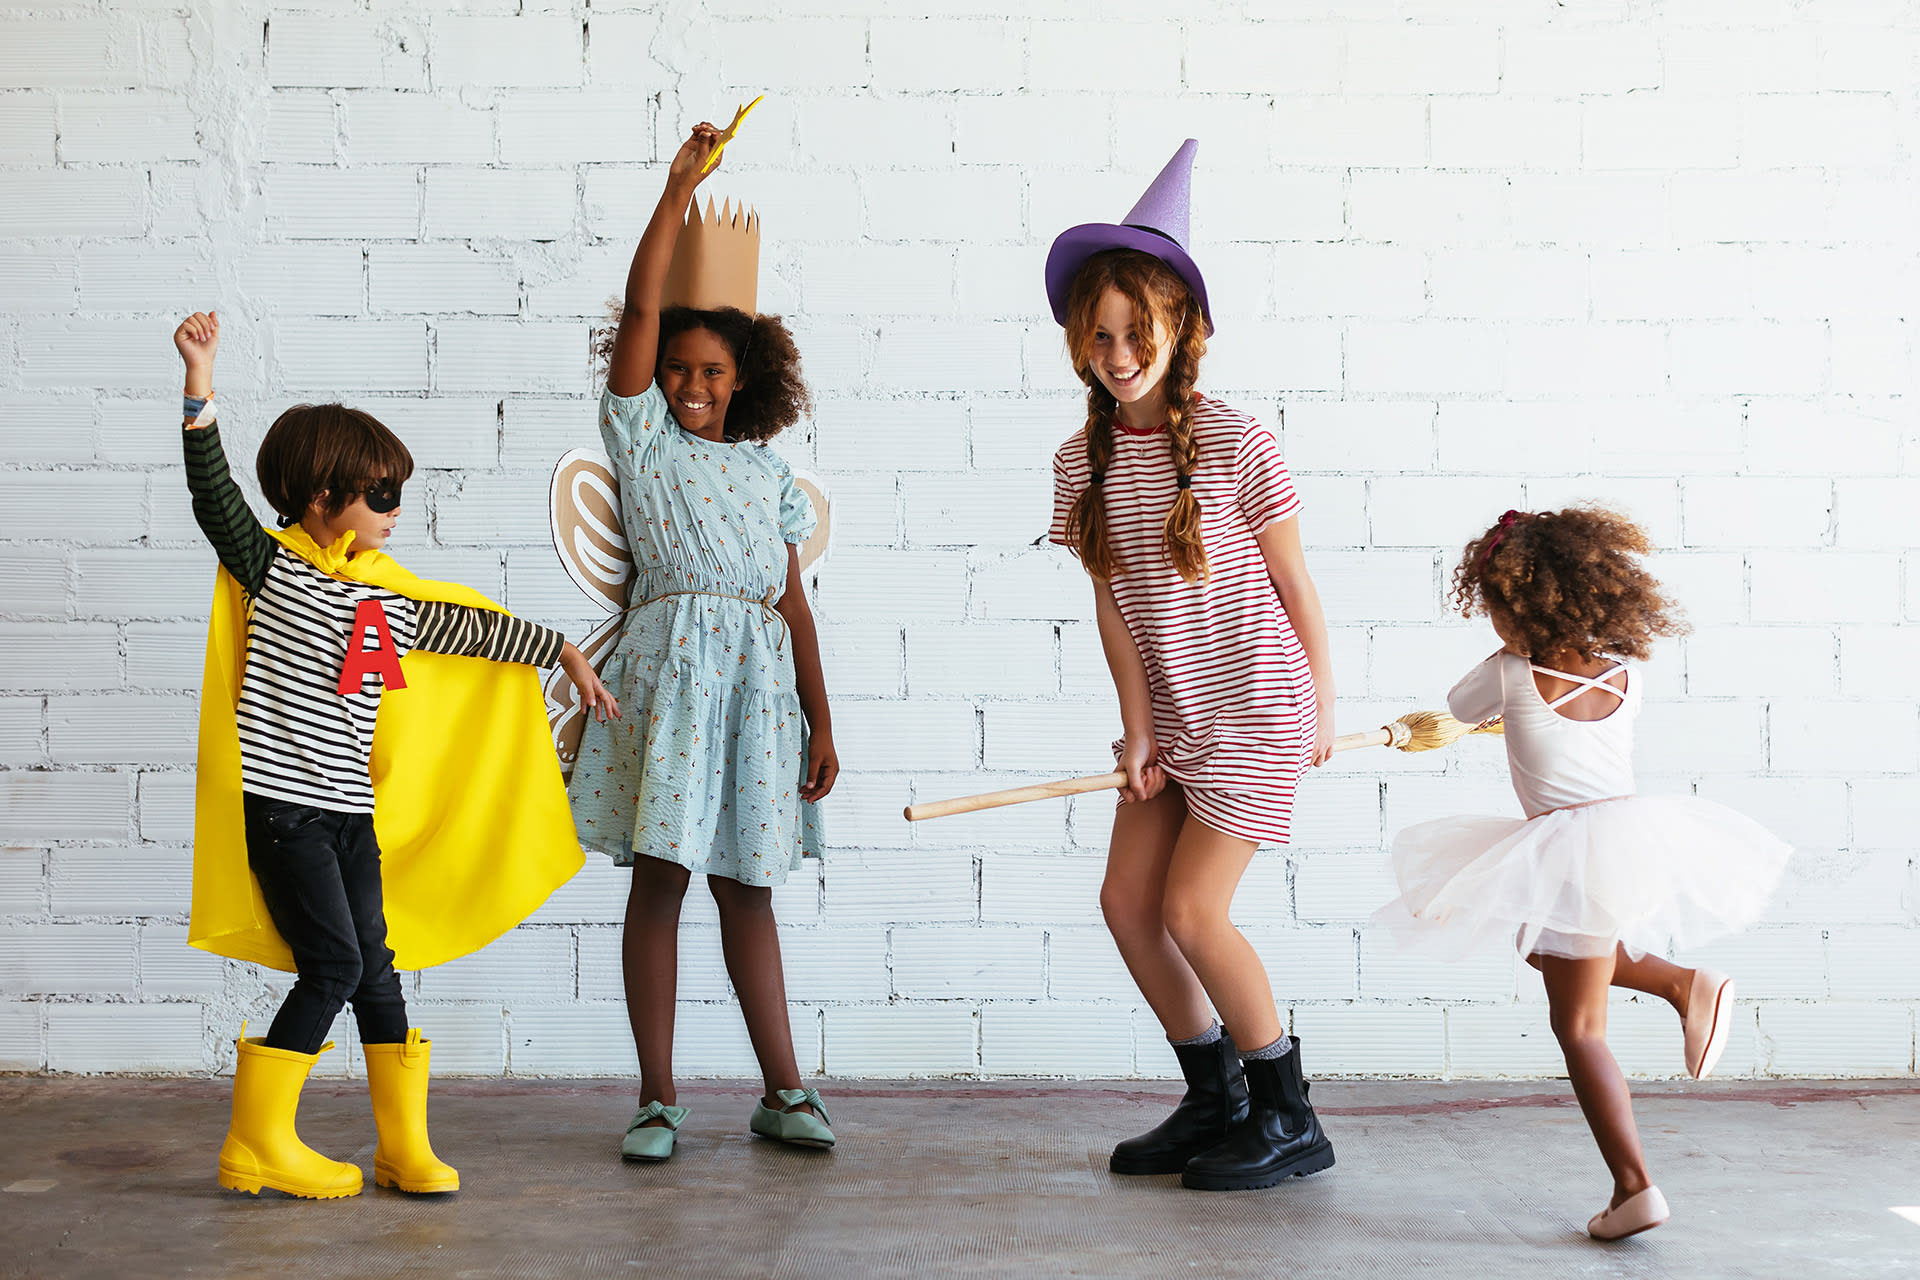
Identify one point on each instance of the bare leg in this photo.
(1655, 976)
(1577, 1006)
(750, 939)
(650, 965)
(1133, 899)
(1651, 974)
(1201, 878)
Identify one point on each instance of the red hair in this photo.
(1163, 304)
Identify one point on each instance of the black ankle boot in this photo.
(1215, 1101)
(1280, 1138)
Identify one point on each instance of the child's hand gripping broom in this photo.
(1415, 731)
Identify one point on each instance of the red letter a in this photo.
(382, 660)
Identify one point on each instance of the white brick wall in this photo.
(1507, 255)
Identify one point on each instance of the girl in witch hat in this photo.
(1597, 880)
(726, 743)
(1183, 514)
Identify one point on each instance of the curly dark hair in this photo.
(772, 396)
(1567, 582)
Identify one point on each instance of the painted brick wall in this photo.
(1466, 255)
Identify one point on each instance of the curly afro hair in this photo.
(772, 396)
(1565, 582)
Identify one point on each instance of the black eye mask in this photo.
(382, 497)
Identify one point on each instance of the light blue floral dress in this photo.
(704, 766)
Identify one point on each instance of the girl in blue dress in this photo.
(727, 741)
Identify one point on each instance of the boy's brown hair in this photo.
(327, 448)
(1567, 582)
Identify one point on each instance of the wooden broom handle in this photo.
(1371, 738)
(1016, 795)
(1080, 786)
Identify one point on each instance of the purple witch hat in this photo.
(1157, 225)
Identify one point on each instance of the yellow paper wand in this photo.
(726, 134)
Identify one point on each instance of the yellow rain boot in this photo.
(397, 1079)
(262, 1149)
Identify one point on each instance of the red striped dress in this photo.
(1233, 699)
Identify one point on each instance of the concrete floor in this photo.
(114, 1178)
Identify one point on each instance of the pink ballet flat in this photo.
(1642, 1212)
(1709, 1018)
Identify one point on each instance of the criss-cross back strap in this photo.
(1591, 682)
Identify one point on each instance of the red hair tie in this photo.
(1506, 522)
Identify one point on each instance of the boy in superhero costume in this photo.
(341, 832)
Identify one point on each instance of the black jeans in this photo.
(319, 871)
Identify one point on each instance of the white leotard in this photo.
(1555, 761)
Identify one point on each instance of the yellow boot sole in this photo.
(385, 1177)
(251, 1184)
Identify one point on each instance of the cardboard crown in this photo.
(716, 261)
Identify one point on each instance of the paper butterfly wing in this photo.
(584, 504)
(566, 714)
(814, 549)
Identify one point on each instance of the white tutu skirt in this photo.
(1644, 871)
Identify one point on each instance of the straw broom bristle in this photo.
(1429, 730)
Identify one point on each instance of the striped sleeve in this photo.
(1261, 483)
(1067, 486)
(483, 633)
(222, 511)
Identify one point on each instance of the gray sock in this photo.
(1278, 1049)
(1210, 1036)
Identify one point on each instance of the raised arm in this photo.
(218, 505)
(635, 343)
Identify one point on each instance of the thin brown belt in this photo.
(765, 602)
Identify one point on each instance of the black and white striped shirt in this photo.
(301, 738)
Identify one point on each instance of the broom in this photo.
(1415, 731)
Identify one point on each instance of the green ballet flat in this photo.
(789, 1125)
(652, 1142)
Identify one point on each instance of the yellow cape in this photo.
(474, 827)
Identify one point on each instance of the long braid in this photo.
(1087, 518)
(1184, 519)
(1154, 292)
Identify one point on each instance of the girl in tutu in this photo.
(1597, 880)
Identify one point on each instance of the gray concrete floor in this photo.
(967, 1179)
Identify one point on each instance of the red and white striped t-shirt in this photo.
(1233, 698)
